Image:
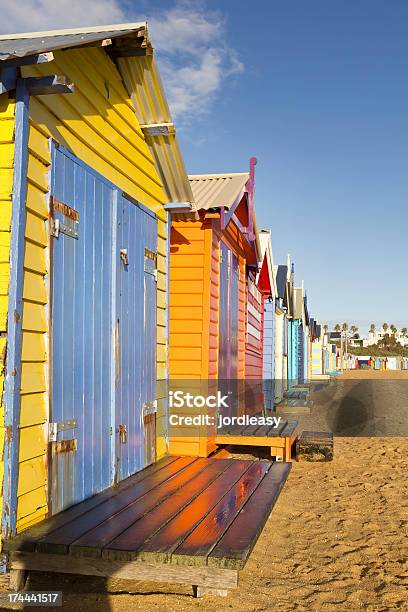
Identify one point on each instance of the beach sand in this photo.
(336, 540)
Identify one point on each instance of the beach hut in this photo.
(317, 367)
(306, 340)
(215, 304)
(88, 162)
(300, 317)
(267, 284)
(281, 334)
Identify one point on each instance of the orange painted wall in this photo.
(191, 262)
(194, 314)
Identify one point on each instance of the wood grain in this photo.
(237, 543)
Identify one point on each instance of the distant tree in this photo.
(345, 327)
(372, 328)
(385, 327)
(404, 332)
(325, 328)
(393, 329)
(354, 330)
(337, 327)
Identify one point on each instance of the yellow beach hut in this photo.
(89, 167)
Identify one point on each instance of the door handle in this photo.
(124, 256)
(122, 430)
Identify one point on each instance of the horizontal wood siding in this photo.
(32, 475)
(254, 335)
(190, 269)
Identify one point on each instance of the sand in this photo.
(336, 540)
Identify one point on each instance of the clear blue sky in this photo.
(323, 104)
(322, 101)
(318, 91)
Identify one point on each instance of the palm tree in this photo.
(345, 327)
(353, 330)
(404, 332)
(372, 328)
(325, 328)
(337, 327)
(385, 327)
(393, 329)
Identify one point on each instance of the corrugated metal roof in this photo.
(144, 86)
(30, 43)
(216, 190)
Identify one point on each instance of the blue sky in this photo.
(318, 91)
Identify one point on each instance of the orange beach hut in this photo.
(214, 258)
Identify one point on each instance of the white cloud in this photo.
(194, 58)
(37, 15)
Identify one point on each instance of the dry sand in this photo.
(336, 541)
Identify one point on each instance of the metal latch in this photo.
(124, 256)
(55, 227)
(55, 428)
(122, 431)
(150, 408)
(58, 227)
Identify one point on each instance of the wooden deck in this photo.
(279, 439)
(182, 520)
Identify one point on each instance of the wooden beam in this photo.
(12, 379)
(29, 60)
(158, 129)
(38, 86)
(118, 52)
(205, 577)
(8, 78)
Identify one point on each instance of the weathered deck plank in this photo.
(161, 546)
(141, 518)
(191, 521)
(211, 577)
(28, 539)
(59, 540)
(235, 546)
(209, 531)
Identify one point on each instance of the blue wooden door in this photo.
(81, 331)
(223, 350)
(269, 354)
(103, 333)
(228, 327)
(301, 358)
(135, 332)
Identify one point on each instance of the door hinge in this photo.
(55, 428)
(150, 407)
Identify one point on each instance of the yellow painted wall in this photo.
(98, 124)
(7, 112)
